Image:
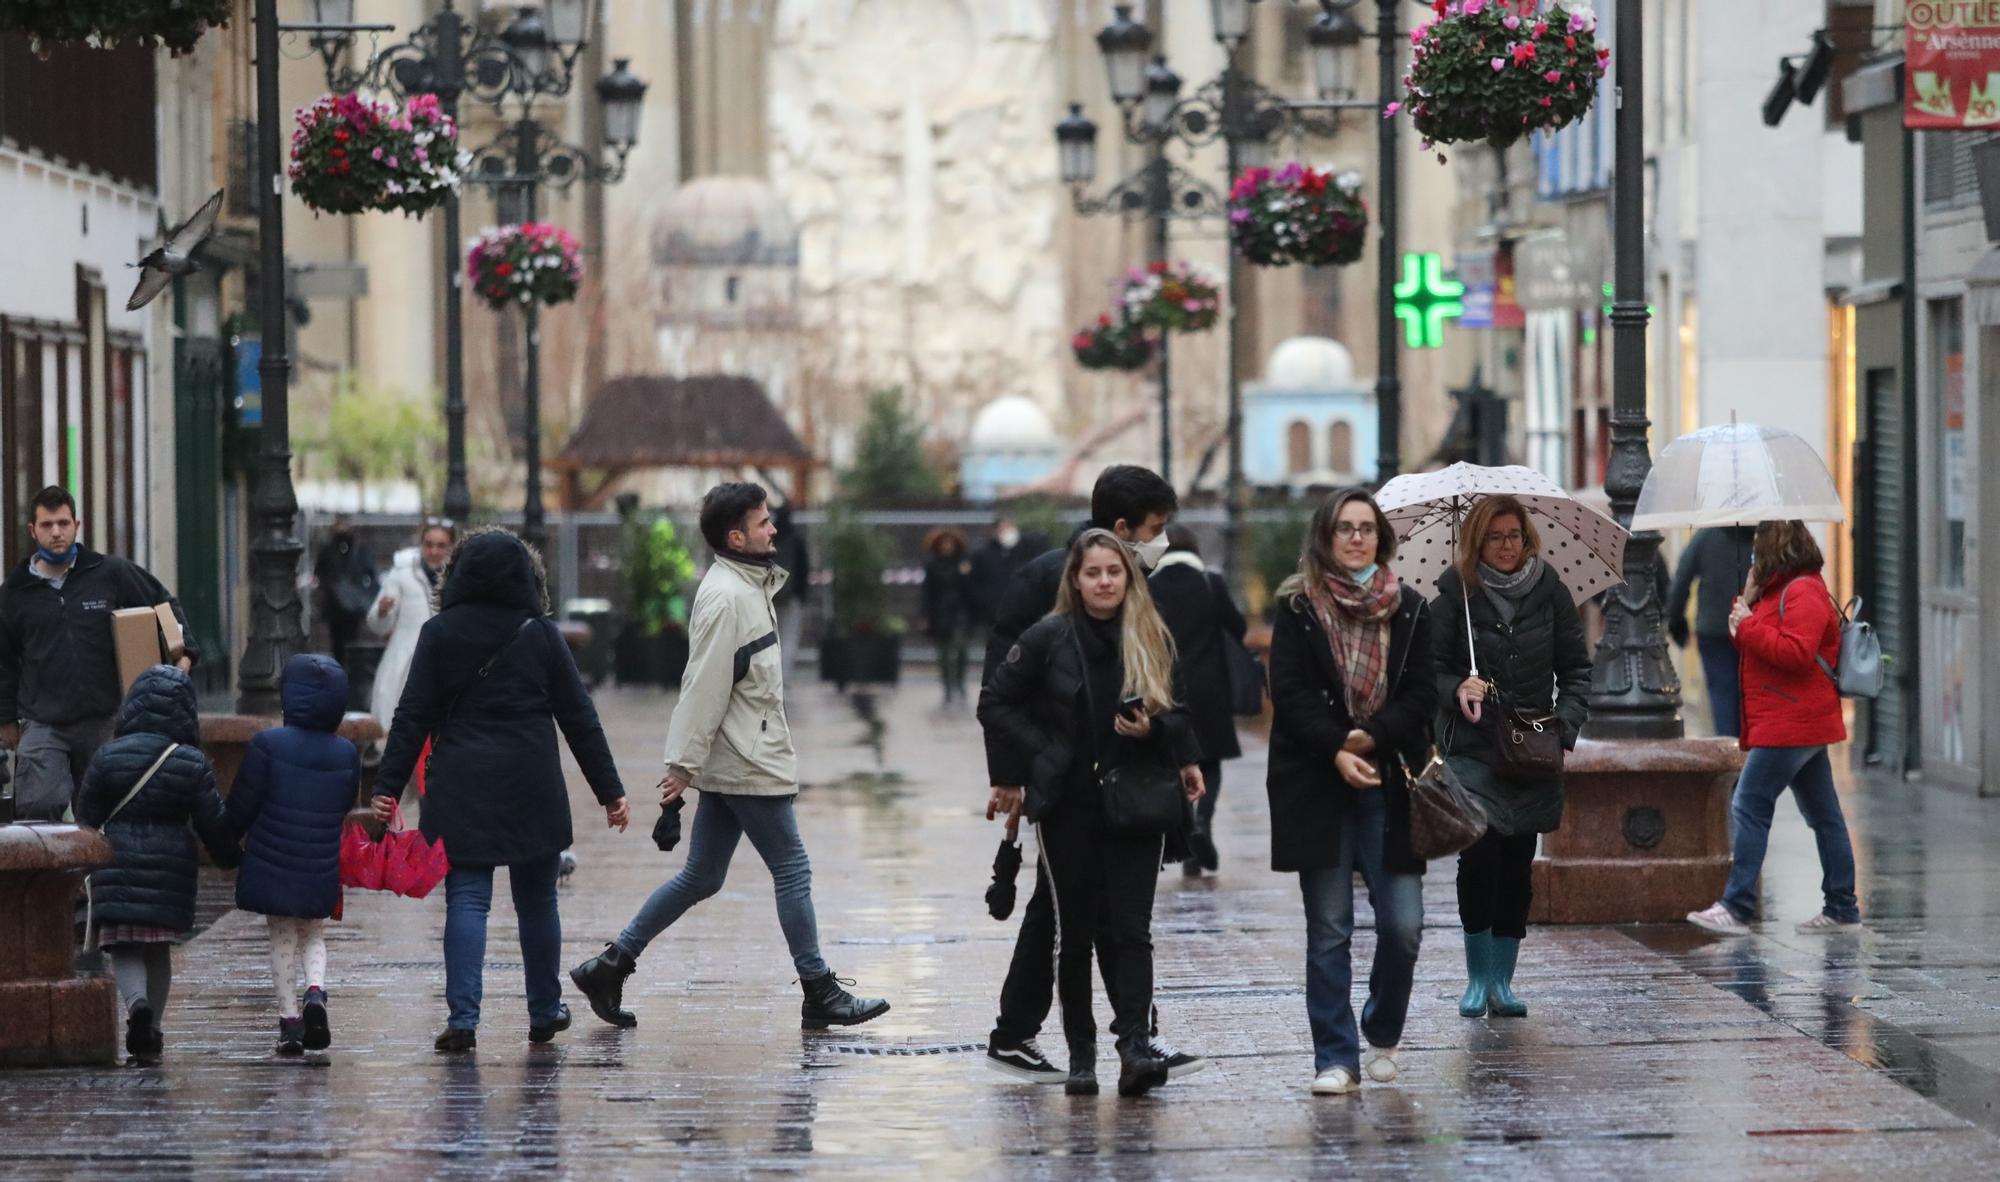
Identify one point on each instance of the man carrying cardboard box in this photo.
(60, 682)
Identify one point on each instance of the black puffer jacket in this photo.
(1311, 805)
(1198, 610)
(1030, 595)
(495, 792)
(151, 879)
(1035, 705)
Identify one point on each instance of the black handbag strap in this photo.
(492, 661)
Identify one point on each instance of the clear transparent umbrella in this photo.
(1737, 474)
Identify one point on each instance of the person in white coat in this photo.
(407, 599)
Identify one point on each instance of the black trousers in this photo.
(1029, 992)
(1495, 884)
(1103, 886)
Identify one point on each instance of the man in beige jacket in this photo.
(730, 740)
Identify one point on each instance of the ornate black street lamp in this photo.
(1245, 116)
(533, 58)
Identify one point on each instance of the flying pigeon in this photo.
(177, 256)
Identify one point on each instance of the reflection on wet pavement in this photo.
(1653, 1052)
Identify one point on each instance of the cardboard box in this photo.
(136, 632)
(172, 640)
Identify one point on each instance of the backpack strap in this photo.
(1840, 613)
(143, 781)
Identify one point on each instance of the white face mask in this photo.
(1151, 552)
(1009, 538)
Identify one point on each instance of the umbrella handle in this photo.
(1014, 827)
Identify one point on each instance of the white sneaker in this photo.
(1379, 1064)
(1720, 920)
(1335, 1081)
(1823, 923)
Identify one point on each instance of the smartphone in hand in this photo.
(1133, 707)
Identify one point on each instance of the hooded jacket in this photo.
(151, 879)
(729, 731)
(495, 793)
(58, 661)
(292, 796)
(408, 591)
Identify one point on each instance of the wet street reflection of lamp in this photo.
(534, 58)
(1245, 117)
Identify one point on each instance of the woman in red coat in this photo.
(1787, 631)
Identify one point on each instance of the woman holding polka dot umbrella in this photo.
(1509, 555)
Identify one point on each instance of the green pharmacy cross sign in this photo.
(1426, 298)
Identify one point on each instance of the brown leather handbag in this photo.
(1444, 817)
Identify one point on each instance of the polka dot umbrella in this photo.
(1586, 548)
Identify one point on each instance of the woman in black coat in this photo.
(1201, 615)
(1059, 699)
(491, 681)
(950, 604)
(1533, 665)
(144, 900)
(1352, 696)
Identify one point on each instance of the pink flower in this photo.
(1511, 21)
(376, 154)
(394, 163)
(1472, 7)
(1553, 76)
(1580, 23)
(1391, 110)
(1498, 64)
(1191, 305)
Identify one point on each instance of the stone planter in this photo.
(48, 1016)
(1645, 832)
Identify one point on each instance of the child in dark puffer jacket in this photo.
(143, 788)
(291, 799)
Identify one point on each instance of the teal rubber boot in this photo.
(1500, 978)
(1478, 971)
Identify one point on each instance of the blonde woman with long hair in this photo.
(1088, 691)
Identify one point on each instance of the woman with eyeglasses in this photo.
(1352, 695)
(1084, 694)
(1502, 602)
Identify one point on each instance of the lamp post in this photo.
(1245, 116)
(533, 58)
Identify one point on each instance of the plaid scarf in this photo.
(1356, 619)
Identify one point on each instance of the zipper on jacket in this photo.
(1781, 693)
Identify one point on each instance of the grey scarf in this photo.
(1504, 591)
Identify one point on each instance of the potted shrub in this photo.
(1495, 70)
(352, 155)
(1297, 215)
(173, 24)
(1112, 344)
(508, 265)
(652, 647)
(863, 642)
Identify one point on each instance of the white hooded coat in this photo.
(409, 593)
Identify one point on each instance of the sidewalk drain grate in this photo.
(904, 1050)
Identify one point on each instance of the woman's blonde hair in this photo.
(1146, 647)
(1472, 535)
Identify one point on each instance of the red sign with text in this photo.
(1951, 55)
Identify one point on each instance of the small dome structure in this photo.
(725, 221)
(1011, 423)
(1310, 363)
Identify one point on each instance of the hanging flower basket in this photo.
(1298, 215)
(1495, 70)
(352, 155)
(1180, 298)
(520, 264)
(1112, 344)
(173, 24)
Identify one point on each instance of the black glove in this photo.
(667, 830)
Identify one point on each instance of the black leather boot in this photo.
(544, 1033)
(1139, 1070)
(1082, 1072)
(602, 980)
(827, 1004)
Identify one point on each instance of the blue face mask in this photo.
(63, 559)
(1365, 575)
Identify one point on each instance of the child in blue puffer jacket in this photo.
(290, 800)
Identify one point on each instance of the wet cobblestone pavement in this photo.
(1649, 1052)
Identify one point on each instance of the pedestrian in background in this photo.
(1089, 690)
(729, 739)
(408, 598)
(1717, 561)
(1788, 630)
(345, 572)
(993, 565)
(1502, 601)
(950, 604)
(1352, 693)
(144, 788)
(1201, 616)
(290, 800)
(491, 681)
(59, 682)
(795, 557)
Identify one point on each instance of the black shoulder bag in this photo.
(1142, 799)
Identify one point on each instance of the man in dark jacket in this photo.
(993, 566)
(1202, 617)
(1719, 560)
(59, 684)
(348, 582)
(1135, 504)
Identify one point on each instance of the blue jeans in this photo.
(468, 894)
(1766, 773)
(1398, 900)
(720, 820)
(1723, 671)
